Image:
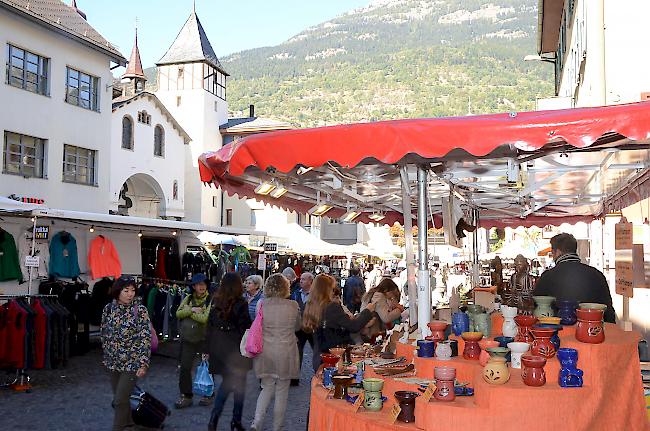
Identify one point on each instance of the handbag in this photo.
(203, 384)
(152, 331)
(255, 338)
(191, 330)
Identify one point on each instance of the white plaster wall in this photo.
(51, 118)
(141, 160)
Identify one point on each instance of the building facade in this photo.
(55, 115)
(594, 46)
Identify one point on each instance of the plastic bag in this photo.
(203, 384)
(255, 338)
(242, 345)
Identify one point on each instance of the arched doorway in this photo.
(141, 196)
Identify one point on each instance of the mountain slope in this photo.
(397, 59)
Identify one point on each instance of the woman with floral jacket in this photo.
(126, 341)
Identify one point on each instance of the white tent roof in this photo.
(11, 205)
(219, 238)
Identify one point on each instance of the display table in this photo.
(611, 398)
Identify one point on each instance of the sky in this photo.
(231, 26)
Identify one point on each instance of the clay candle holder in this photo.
(338, 351)
(406, 400)
(542, 345)
(444, 383)
(472, 349)
(524, 323)
(341, 383)
(426, 348)
(590, 328)
(438, 330)
(517, 349)
(543, 306)
(459, 323)
(496, 372)
(329, 360)
(373, 401)
(555, 339)
(532, 372)
(566, 310)
(570, 376)
(484, 357)
(509, 327)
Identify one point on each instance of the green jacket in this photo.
(185, 309)
(9, 264)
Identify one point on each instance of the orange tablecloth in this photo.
(611, 398)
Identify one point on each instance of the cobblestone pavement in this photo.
(78, 398)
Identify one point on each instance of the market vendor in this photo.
(571, 279)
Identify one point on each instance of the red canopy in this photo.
(432, 139)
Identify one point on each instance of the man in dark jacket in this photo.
(300, 296)
(572, 280)
(353, 291)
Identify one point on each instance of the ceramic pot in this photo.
(328, 373)
(555, 339)
(483, 323)
(570, 376)
(373, 385)
(516, 350)
(544, 306)
(338, 351)
(592, 306)
(437, 328)
(443, 351)
(329, 360)
(472, 349)
(406, 400)
(484, 356)
(372, 401)
(509, 328)
(426, 348)
(453, 344)
(524, 323)
(341, 383)
(496, 372)
(590, 328)
(503, 342)
(542, 345)
(473, 310)
(459, 323)
(532, 372)
(445, 377)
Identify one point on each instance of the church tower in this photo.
(192, 86)
(134, 74)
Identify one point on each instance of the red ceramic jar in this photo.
(524, 323)
(542, 345)
(444, 383)
(438, 330)
(472, 348)
(532, 372)
(590, 327)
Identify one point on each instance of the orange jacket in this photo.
(103, 259)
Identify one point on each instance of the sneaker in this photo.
(206, 401)
(183, 402)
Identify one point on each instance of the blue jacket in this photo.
(63, 256)
(297, 296)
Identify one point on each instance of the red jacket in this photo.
(15, 341)
(103, 259)
(40, 330)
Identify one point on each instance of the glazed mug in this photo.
(426, 348)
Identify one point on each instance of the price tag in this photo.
(261, 261)
(32, 261)
(394, 412)
(359, 401)
(429, 392)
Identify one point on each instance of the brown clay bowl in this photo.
(438, 325)
(329, 360)
(471, 336)
(525, 320)
(487, 343)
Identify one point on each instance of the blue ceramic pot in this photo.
(566, 310)
(503, 342)
(459, 323)
(570, 376)
(555, 339)
(328, 373)
(426, 348)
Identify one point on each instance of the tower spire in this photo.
(134, 70)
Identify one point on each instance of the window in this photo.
(178, 100)
(79, 165)
(159, 141)
(215, 202)
(127, 133)
(180, 72)
(81, 90)
(144, 118)
(175, 190)
(27, 70)
(23, 155)
(229, 217)
(214, 81)
(254, 217)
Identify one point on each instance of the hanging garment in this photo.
(9, 264)
(161, 261)
(40, 332)
(103, 259)
(63, 256)
(42, 250)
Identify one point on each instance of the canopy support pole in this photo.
(412, 288)
(424, 291)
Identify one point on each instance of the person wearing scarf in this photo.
(572, 280)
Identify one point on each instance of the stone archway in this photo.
(142, 196)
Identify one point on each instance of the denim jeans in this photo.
(234, 382)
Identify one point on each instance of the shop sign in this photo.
(623, 236)
(27, 199)
(394, 412)
(32, 261)
(42, 232)
(428, 394)
(624, 278)
(271, 247)
(623, 243)
(261, 262)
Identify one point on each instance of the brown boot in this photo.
(206, 401)
(183, 402)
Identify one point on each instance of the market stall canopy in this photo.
(223, 239)
(529, 168)
(8, 205)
